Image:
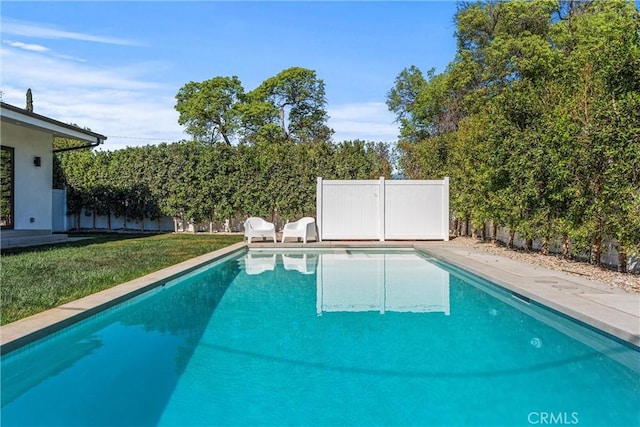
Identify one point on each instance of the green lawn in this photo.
(39, 278)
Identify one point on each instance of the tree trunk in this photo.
(175, 224)
(494, 234)
(456, 227)
(529, 245)
(512, 237)
(545, 246)
(566, 248)
(284, 124)
(596, 250)
(622, 258)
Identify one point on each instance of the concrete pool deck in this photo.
(605, 308)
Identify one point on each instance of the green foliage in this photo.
(210, 109)
(297, 98)
(361, 160)
(6, 185)
(290, 105)
(535, 120)
(198, 182)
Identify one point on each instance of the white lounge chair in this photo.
(301, 229)
(258, 227)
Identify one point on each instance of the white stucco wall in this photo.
(32, 184)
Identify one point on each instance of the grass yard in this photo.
(39, 278)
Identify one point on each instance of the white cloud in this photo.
(29, 68)
(121, 102)
(32, 47)
(369, 121)
(27, 46)
(36, 30)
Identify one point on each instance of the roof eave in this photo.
(20, 117)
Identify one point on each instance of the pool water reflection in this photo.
(322, 338)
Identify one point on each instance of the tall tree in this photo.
(539, 106)
(295, 101)
(209, 109)
(402, 100)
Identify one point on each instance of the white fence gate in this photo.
(383, 210)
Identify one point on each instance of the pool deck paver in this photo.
(601, 306)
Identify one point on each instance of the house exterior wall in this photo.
(32, 183)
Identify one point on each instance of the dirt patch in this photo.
(628, 282)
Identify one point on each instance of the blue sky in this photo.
(116, 67)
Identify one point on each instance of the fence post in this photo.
(319, 207)
(445, 209)
(381, 230)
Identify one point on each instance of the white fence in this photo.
(609, 248)
(383, 210)
(89, 221)
(61, 222)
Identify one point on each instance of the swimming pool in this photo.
(344, 337)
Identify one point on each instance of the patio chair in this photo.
(258, 227)
(303, 228)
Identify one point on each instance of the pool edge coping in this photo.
(25, 331)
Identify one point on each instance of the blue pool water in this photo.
(323, 338)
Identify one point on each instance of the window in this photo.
(7, 185)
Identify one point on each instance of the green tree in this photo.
(294, 100)
(210, 109)
(534, 120)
